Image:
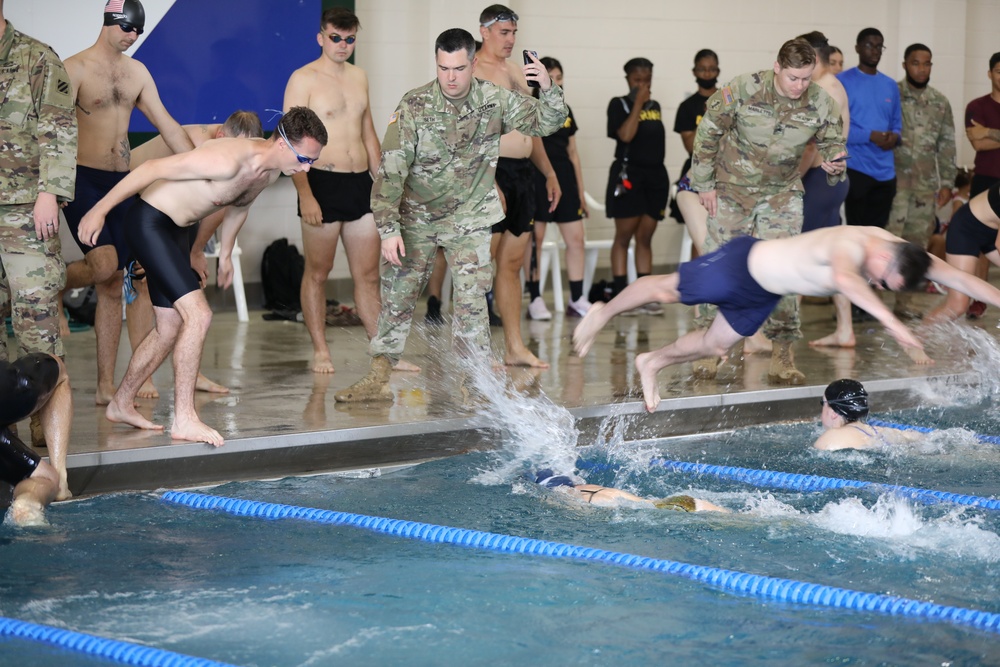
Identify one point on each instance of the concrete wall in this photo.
(593, 39)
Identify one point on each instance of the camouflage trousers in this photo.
(913, 215)
(468, 255)
(32, 274)
(763, 214)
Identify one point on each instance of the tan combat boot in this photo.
(783, 370)
(705, 369)
(370, 388)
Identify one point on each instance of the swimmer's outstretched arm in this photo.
(966, 283)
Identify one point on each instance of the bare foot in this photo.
(757, 344)
(322, 364)
(647, 374)
(119, 415)
(406, 367)
(524, 358)
(104, 395)
(206, 385)
(586, 330)
(63, 493)
(148, 390)
(195, 431)
(919, 356)
(836, 339)
(27, 512)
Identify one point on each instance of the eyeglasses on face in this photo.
(301, 158)
(502, 17)
(128, 27)
(337, 39)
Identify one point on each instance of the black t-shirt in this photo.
(689, 114)
(557, 144)
(649, 145)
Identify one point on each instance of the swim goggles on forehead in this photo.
(502, 17)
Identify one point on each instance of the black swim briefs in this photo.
(164, 250)
(516, 179)
(968, 236)
(91, 186)
(25, 385)
(342, 197)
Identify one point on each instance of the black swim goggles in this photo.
(337, 39)
(502, 17)
(299, 156)
(128, 27)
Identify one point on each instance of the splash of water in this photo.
(971, 347)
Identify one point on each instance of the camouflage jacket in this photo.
(37, 121)
(439, 163)
(751, 136)
(925, 156)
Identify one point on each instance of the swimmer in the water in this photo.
(845, 415)
(34, 383)
(606, 496)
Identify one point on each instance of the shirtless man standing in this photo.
(335, 196)
(515, 178)
(175, 192)
(107, 85)
(747, 277)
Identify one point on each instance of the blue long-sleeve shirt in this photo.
(874, 104)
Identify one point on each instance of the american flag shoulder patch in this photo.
(727, 95)
(394, 117)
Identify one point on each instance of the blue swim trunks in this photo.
(722, 278)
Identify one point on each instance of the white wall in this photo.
(593, 39)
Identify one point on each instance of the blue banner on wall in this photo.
(209, 59)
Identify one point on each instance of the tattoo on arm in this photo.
(78, 106)
(994, 135)
(125, 152)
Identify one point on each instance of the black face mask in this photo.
(707, 83)
(916, 84)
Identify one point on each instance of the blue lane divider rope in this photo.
(989, 439)
(797, 482)
(109, 649)
(743, 583)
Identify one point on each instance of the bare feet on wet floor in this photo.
(104, 395)
(322, 364)
(148, 390)
(207, 386)
(757, 344)
(195, 431)
(119, 415)
(406, 367)
(647, 374)
(586, 330)
(524, 357)
(836, 339)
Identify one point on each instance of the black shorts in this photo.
(568, 209)
(164, 250)
(25, 386)
(516, 179)
(342, 197)
(968, 236)
(91, 186)
(648, 196)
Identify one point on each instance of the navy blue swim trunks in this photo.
(968, 236)
(723, 279)
(91, 186)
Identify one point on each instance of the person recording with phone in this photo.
(638, 184)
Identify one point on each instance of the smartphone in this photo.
(527, 61)
(842, 158)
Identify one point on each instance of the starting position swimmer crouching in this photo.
(747, 277)
(606, 496)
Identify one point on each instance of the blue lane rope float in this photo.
(109, 649)
(742, 583)
(989, 439)
(797, 482)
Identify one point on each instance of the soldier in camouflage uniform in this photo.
(38, 163)
(925, 158)
(435, 187)
(747, 151)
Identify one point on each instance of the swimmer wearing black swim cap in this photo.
(848, 399)
(845, 415)
(127, 14)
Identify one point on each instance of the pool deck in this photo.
(281, 419)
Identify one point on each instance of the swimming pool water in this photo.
(285, 592)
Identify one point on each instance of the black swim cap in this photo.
(848, 399)
(124, 11)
